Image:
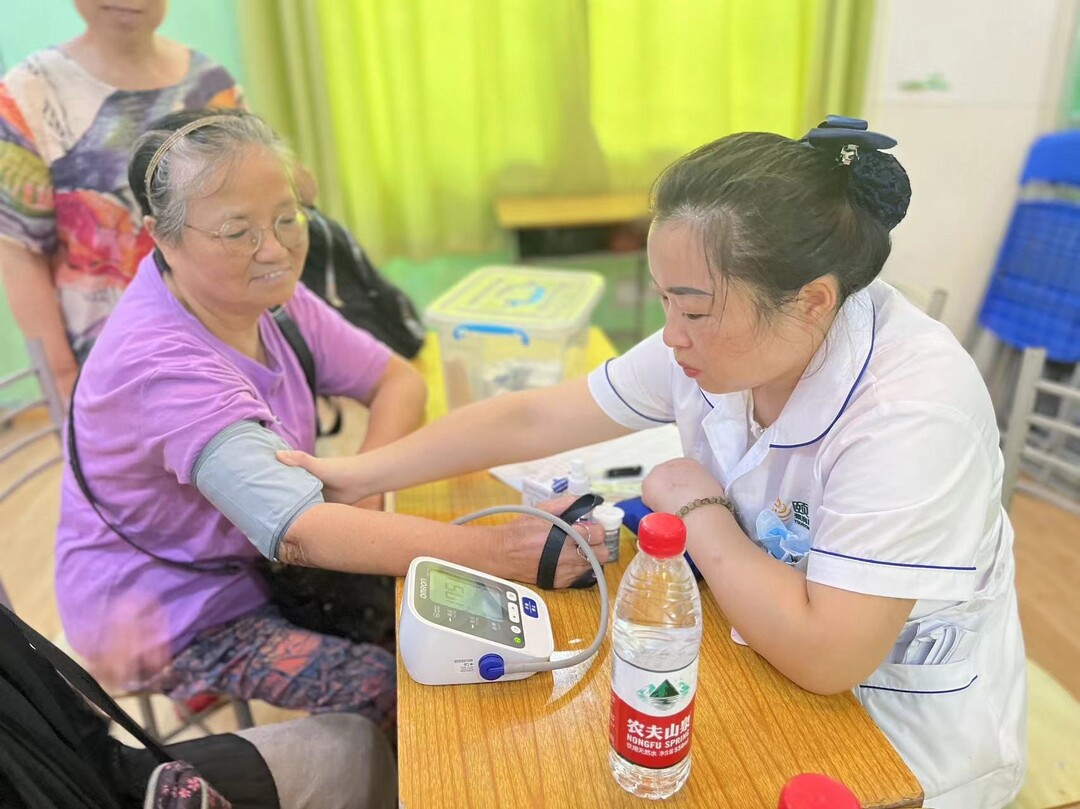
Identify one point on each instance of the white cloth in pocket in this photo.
(932, 642)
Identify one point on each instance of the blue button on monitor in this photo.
(529, 606)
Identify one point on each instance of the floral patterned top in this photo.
(65, 141)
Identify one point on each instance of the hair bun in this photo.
(880, 186)
(878, 183)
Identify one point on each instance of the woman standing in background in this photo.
(71, 232)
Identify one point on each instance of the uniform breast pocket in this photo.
(938, 718)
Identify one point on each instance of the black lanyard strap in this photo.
(86, 685)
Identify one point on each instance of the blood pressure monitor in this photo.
(459, 625)
(455, 621)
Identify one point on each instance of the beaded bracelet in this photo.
(719, 500)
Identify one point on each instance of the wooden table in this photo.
(518, 213)
(542, 742)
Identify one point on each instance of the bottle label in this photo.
(652, 713)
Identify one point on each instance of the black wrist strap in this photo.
(549, 558)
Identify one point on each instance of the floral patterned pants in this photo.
(262, 656)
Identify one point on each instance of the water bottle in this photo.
(655, 642)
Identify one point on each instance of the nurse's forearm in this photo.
(506, 429)
(823, 639)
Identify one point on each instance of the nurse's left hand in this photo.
(673, 484)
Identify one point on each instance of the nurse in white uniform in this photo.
(841, 484)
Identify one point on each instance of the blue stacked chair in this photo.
(1034, 294)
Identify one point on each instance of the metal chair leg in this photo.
(190, 719)
(149, 722)
(242, 710)
(1068, 411)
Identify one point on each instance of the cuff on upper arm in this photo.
(239, 473)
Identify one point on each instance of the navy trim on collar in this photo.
(630, 406)
(847, 401)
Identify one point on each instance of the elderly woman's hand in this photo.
(673, 484)
(523, 541)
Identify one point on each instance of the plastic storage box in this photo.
(511, 328)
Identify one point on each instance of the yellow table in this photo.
(542, 742)
(520, 213)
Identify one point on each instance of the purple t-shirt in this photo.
(153, 392)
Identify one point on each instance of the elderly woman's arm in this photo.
(281, 510)
(340, 537)
(396, 405)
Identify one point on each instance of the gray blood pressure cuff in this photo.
(239, 473)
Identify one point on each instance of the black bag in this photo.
(355, 606)
(56, 751)
(338, 271)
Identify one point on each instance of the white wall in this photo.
(1001, 63)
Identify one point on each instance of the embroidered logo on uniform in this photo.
(782, 510)
(802, 513)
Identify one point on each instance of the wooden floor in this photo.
(1048, 586)
(1047, 553)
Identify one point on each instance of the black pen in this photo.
(623, 472)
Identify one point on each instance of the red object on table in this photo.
(815, 791)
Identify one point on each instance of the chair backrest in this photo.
(1033, 297)
(1054, 158)
(931, 301)
(1043, 442)
(33, 424)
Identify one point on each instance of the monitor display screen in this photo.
(463, 593)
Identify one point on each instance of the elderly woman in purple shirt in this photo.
(190, 390)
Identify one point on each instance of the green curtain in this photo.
(836, 59)
(415, 114)
(288, 85)
(669, 76)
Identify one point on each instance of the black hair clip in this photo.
(879, 186)
(845, 137)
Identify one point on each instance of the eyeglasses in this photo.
(242, 237)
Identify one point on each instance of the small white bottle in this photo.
(578, 482)
(611, 519)
(656, 636)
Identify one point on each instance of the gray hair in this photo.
(167, 171)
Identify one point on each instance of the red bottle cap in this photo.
(815, 791)
(662, 535)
